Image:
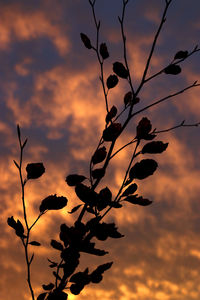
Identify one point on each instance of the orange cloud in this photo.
(30, 25)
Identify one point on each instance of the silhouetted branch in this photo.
(121, 21)
(128, 144)
(23, 182)
(182, 124)
(96, 49)
(163, 19)
(166, 98)
(196, 49)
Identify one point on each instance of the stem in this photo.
(28, 263)
(167, 97)
(97, 25)
(182, 124)
(130, 143)
(58, 268)
(173, 62)
(128, 169)
(121, 20)
(41, 214)
(163, 19)
(22, 184)
(125, 177)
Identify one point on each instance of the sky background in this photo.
(49, 84)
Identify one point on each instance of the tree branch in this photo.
(166, 98)
(182, 124)
(163, 19)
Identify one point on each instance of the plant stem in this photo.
(163, 19)
(166, 98)
(28, 263)
(97, 24)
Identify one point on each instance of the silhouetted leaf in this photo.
(102, 268)
(56, 245)
(130, 190)
(112, 132)
(105, 198)
(81, 227)
(104, 230)
(86, 195)
(71, 258)
(41, 296)
(19, 229)
(120, 70)
(35, 170)
(154, 147)
(34, 243)
(17, 226)
(136, 100)
(172, 69)
(48, 287)
(104, 51)
(96, 275)
(53, 264)
(99, 155)
(143, 128)
(128, 98)
(74, 209)
(181, 55)
(80, 277)
(98, 173)
(76, 288)
(143, 169)
(92, 223)
(111, 114)
(134, 199)
(89, 248)
(106, 194)
(57, 294)
(53, 202)
(112, 81)
(74, 179)
(115, 204)
(86, 41)
(11, 222)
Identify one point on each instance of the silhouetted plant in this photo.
(78, 238)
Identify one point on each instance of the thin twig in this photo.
(174, 62)
(163, 19)
(128, 144)
(128, 169)
(182, 124)
(125, 177)
(96, 49)
(121, 21)
(41, 214)
(195, 84)
(28, 262)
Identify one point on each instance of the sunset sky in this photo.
(49, 85)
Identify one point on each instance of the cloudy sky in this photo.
(49, 84)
